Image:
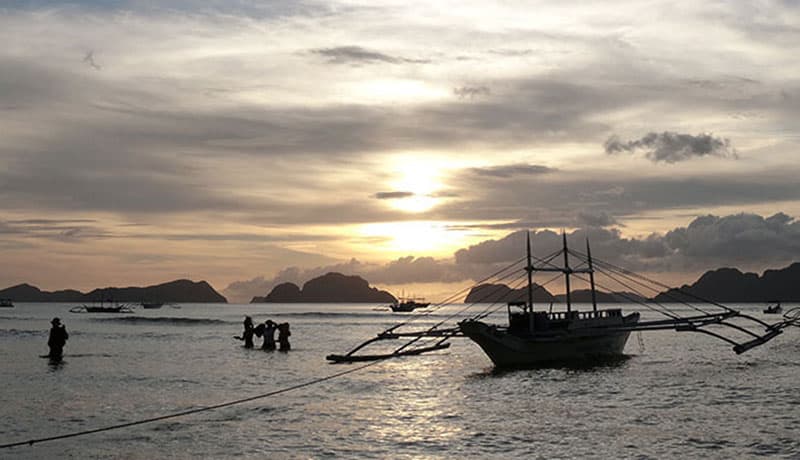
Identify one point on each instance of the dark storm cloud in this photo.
(357, 55)
(392, 195)
(671, 147)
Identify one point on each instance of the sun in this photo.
(421, 178)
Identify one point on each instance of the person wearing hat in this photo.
(58, 338)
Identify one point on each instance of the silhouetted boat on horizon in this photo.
(103, 308)
(406, 304)
(152, 305)
(6, 303)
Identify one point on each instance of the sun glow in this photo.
(420, 178)
(415, 237)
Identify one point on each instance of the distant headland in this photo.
(174, 291)
(331, 287)
(720, 285)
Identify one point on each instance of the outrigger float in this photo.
(539, 337)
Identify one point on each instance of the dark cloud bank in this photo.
(747, 241)
(671, 147)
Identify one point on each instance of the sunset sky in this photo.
(247, 143)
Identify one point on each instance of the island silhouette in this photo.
(186, 291)
(720, 285)
(331, 287)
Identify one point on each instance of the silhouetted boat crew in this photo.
(57, 340)
(247, 334)
(283, 337)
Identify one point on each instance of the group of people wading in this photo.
(267, 331)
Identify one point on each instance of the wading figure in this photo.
(247, 335)
(57, 340)
(283, 337)
(269, 335)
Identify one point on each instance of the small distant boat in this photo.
(116, 308)
(774, 309)
(152, 305)
(6, 303)
(406, 304)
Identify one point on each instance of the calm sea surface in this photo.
(679, 395)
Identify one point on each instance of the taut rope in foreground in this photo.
(190, 411)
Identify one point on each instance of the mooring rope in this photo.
(190, 411)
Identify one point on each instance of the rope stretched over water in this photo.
(190, 411)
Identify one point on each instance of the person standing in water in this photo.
(283, 337)
(269, 335)
(57, 340)
(247, 335)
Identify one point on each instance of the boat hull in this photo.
(508, 350)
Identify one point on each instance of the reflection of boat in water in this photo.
(536, 337)
(406, 304)
(6, 303)
(774, 309)
(152, 305)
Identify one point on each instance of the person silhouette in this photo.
(269, 335)
(283, 337)
(247, 335)
(57, 340)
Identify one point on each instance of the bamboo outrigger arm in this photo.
(443, 334)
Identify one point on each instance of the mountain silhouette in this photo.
(585, 296)
(731, 285)
(490, 293)
(331, 287)
(173, 291)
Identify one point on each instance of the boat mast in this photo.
(591, 276)
(567, 270)
(529, 269)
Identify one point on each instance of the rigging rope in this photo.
(192, 411)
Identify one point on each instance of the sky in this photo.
(413, 143)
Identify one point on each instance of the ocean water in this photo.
(677, 395)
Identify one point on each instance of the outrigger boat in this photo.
(536, 337)
(406, 304)
(774, 309)
(117, 308)
(152, 305)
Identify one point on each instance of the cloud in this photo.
(470, 92)
(356, 55)
(671, 147)
(594, 218)
(392, 195)
(746, 241)
(89, 59)
(518, 169)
